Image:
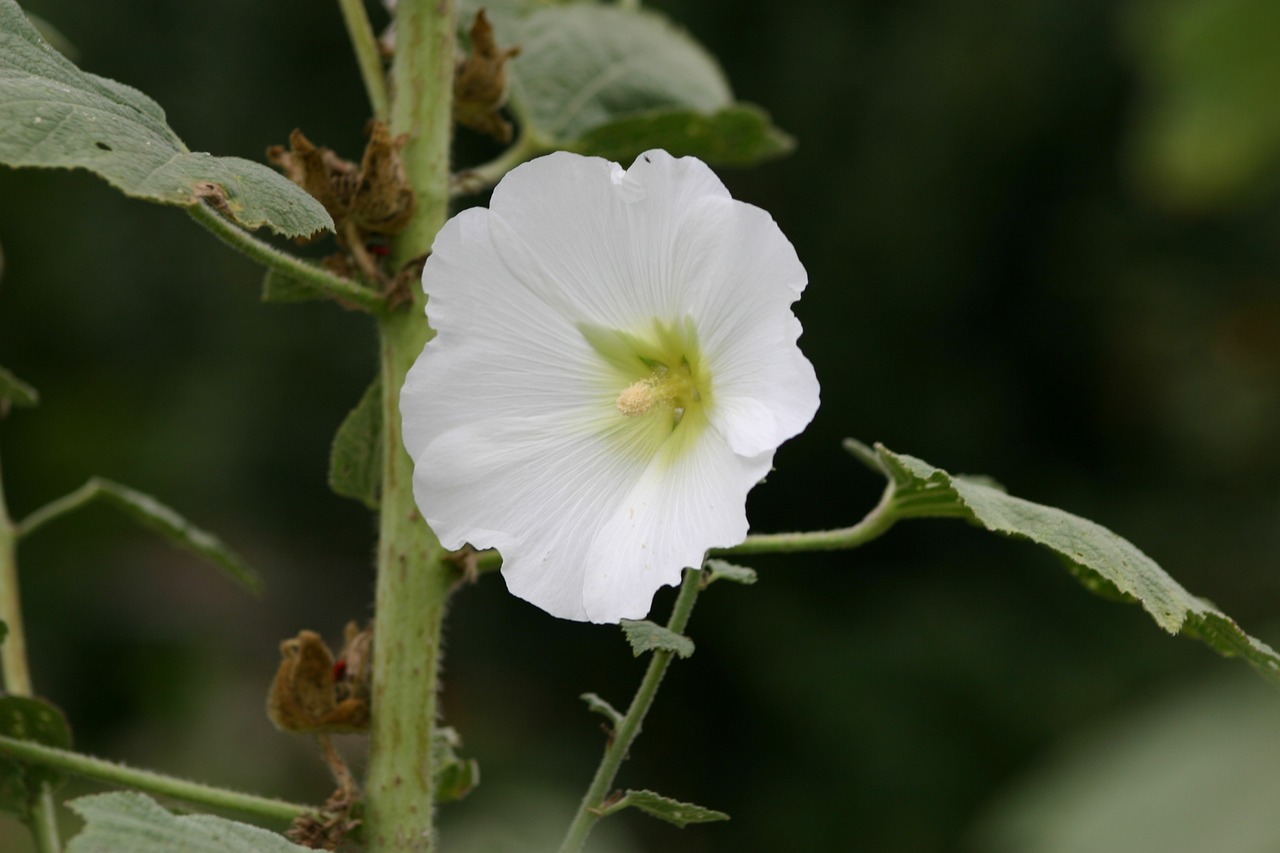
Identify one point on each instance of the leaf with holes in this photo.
(54, 115)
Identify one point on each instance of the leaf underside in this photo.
(54, 115)
(128, 821)
(612, 82)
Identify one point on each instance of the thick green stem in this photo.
(326, 282)
(75, 763)
(365, 44)
(628, 727)
(17, 675)
(413, 582)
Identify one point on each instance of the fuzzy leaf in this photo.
(600, 706)
(54, 115)
(37, 721)
(735, 135)
(719, 570)
(584, 65)
(1102, 560)
(355, 460)
(645, 636)
(13, 390)
(665, 808)
(127, 821)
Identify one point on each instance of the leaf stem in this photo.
(287, 265)
(368, 56)
(625, 732)
(527, 146)
(102, 770)
(413, 581)
(17, 673)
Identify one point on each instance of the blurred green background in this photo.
(1043, 240)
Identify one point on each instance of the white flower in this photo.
(614, 366)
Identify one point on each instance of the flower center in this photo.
(666, 387)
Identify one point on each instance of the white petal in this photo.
(667, 523)
(533, 488)
(609, 244)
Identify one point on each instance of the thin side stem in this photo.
(628, 728)
(368, 56)
(250, 805)
(413, 581)
(269, 256)
(17, 673)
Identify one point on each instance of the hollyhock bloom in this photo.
(614, 366)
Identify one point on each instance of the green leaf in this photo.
(645, 636)
(355, 460)
(455, 778)
(32, 720)
(278, 287)
(151, 513)
(54, 115)
(736, 135)
(179, 531)
(13, 390)
(719, 570)
(613, 82)
(600, 706)
(665, 808)
(129, 822)
(1100, 558)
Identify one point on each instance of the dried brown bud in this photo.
(304, 695)
(374, 197)
(480, 82)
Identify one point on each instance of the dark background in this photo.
(999, 283)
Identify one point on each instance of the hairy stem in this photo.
(269, 256)
(413, 582)
(368, 56)
(249, 805)
(17, 675)
(624, 734)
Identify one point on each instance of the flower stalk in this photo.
(413, 582)
(368, 56)
(628, 728)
